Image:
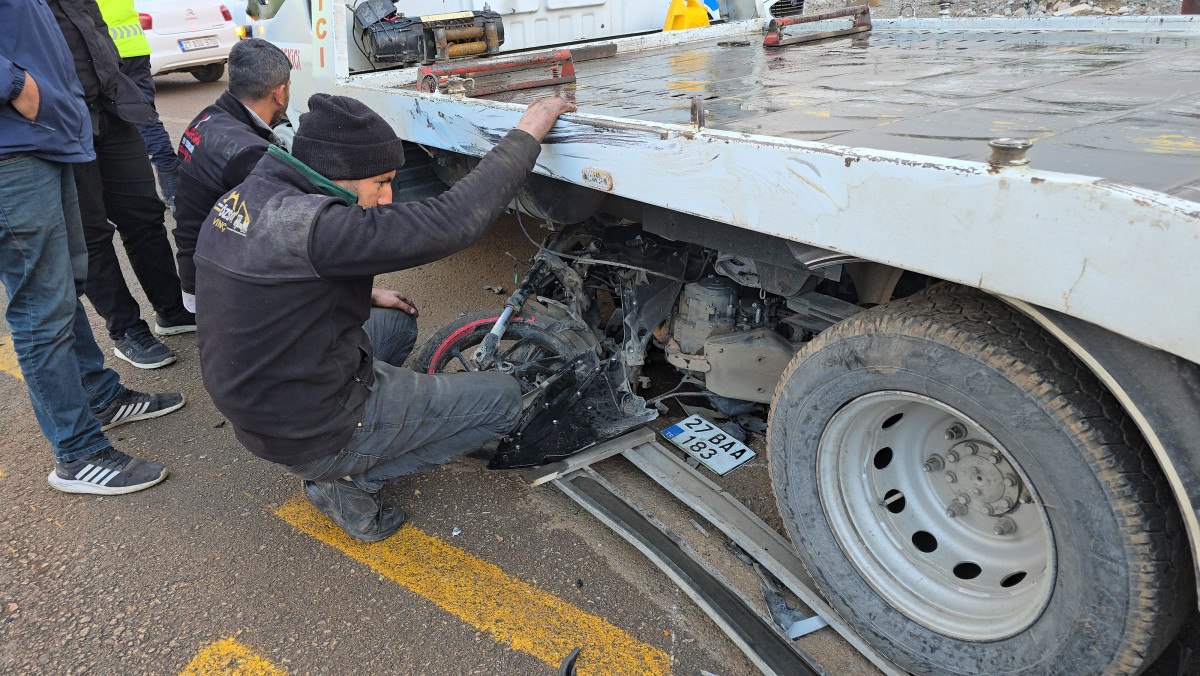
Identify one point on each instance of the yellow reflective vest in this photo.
(124, 27)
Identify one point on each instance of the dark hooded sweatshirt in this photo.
(217, 151)
(285, 264)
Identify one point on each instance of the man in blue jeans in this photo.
(44, 130)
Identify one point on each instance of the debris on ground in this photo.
(752, 423)
(567, 668)
(733, 429)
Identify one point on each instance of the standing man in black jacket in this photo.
(220, 148)
(291, 350)
(117, 194)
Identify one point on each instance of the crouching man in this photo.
(298, 350)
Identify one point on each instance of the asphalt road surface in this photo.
(224, 562)
(224, 565)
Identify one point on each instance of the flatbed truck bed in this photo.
(1104, 103)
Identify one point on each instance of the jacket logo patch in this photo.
(191, 139)
(231, 214)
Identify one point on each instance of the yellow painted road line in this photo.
(513, 612)
(230, 657)
(8, 359)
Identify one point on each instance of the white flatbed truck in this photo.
(981, 363)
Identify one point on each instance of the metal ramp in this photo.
(759, 637)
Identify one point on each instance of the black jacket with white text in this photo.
(284, 269)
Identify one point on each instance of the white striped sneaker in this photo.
(109, 472)
(138, 406)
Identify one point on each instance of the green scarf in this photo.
(326, 186)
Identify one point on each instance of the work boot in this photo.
(361, 514)
(486, 451)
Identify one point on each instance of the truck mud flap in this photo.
(1159, 391)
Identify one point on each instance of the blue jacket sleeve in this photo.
(10, 75)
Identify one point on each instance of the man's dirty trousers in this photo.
(412, 422)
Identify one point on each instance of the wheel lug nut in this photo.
(951, 477)
(955, 431)
(964, 498)
(1026, 499)
(952, 456)
(995, 459)
(1010, 480)
(972, 448)
(989, 510)
(1004, 526)
(1004, 504)
(934, 463)
(956, 509)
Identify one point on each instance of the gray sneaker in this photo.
(143, 350)
(171, 326)
(134, 405)
(109, 472)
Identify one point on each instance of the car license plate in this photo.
(192, 44)
(709, 444)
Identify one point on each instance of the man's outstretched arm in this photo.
(350, 241)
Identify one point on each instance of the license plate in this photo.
(206, 42)
(709, 444)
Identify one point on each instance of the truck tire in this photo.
(534, 334)
(209, 72)
(971, 499)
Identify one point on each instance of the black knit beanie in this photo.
(342, 139)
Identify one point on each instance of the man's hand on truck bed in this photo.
(541, 115)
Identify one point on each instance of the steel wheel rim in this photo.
(882, 465)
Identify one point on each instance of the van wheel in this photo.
(209, 73)
(970, 497)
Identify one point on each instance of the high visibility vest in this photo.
(124, 27)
